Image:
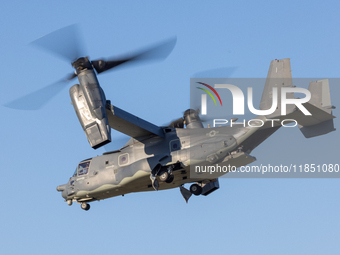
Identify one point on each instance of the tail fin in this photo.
(321, 121)
(321, 96)
(279, 75)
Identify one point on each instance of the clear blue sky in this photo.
(40, 150)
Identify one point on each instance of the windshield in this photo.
(83, 167)
(75, 173)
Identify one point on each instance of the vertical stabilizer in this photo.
(279, 75)
(320, 98)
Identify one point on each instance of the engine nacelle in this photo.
(192, 120)
(90, 109)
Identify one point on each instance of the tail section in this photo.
(321, 96)
(279, 75)
(321, 121)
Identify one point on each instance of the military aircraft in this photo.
(161, 157)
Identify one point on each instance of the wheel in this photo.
(85, 206)
(196, 189)
(163, 176)
(170, 179)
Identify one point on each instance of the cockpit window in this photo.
(83, 168)
(75, 173)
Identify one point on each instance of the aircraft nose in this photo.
(64, 194)
(63, 190)
(61, 187)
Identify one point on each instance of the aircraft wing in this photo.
(129, 124)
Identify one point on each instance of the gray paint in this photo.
(175, 150)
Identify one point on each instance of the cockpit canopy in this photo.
(82, 168)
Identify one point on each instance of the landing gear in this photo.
(85, 206)
(69, 202)
(163, 176)
(170, 179)
(196, 189)
(166, 175)
(154, 181)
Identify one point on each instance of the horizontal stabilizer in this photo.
(318, 129)
(318, 115)
(129, 124)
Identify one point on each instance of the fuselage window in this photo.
(123, 159)
(83, 168)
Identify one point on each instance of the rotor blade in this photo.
(158, 52)
(174, 123)
(38, 98)
(65, 42)
(179, 123)
(223, 72)
(70, 77)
